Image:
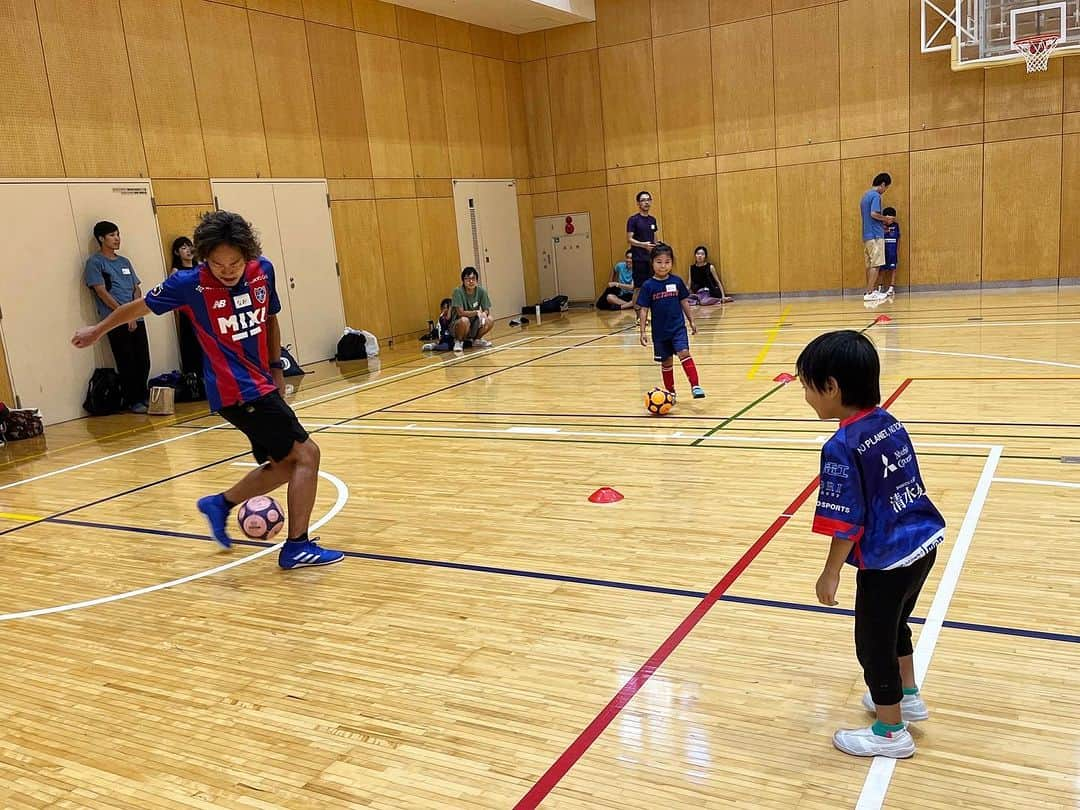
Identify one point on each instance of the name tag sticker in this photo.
(242, 300)
(671, 288)
(126, 271)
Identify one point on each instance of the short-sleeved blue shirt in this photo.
(872, 493)
(871, 228)
(116, 274)
(892, 245)
(664, 299)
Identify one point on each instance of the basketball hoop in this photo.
(1036, 50)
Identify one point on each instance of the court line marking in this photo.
(339, 504)
(770, 338)
(881, 770)
(600, 434)
(20, 517)
(1019, 632)
(295, 405)
(580, 744)
(1038, 482)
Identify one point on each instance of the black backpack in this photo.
(351, 347)
(289, 366)
(190, 388)
(105, 394)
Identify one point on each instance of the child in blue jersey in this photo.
(232, 304)
(874, 505)
(665, 296)
(892, 251)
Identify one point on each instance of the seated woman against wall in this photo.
(705, 284)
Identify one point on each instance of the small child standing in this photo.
(892, 251)
(874, 505)
(665, 296)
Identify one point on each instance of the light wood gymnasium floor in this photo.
(494, 640)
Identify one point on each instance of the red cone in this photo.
(882, 319)
(605, 495)
(784, 378)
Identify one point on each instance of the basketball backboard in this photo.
(983, 33)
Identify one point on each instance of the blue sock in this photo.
(301, 539)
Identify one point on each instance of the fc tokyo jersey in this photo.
(664, 299)
(872, 493)
(892, 244)
(231, 325)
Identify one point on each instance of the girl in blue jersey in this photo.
(665, 296)
(874, 505)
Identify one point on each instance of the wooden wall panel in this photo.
(742, 71)
(683, 68)
(576, 112)
(1021, 209)
(748, 250)
(1070, 201)
(570, 38)
(873, 67)
(288, 8)
(945, 225)
(534, 80)
(220, 46)
(1071, 72)
(629, 111)
(728, 11)
(339, 101)
(939, 97)
(329, 12)
(533, 46)
(462, 114)
(492, 103)
(403, 257)
(527, 232)
(806, 62)
(486, 41)
(416, 26)
(285, 92)
(29, 144)
(675, 16)
(363, 281)
(800, 189)
(519, 126)
(92, 96)
(453, 34)
(375, 17)
(595, 202)
(164, 88)
(1012, 93)
(855, 178)
(384, 105)
(424, 105)
(619, 21)
(177, 220)
(691, 219)
(439, 244)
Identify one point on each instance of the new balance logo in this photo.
(889, 466)
(221, 303)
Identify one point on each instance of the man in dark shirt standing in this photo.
(642, 232)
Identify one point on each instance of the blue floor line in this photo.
(603, 583)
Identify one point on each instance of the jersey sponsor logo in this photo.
(834, 507)
(242, 324)
(220, 303)
(831, 489)
(835, 470)
(906, 495)
(156, 290)
(888, 465)
(881, 435)
(240, 301)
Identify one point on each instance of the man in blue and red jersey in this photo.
(232, 303)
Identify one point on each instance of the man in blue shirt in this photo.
(114, 282)
(873, 234)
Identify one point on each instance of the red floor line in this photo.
(551, 777)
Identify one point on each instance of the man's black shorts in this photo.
(270, 425)
(642, 272)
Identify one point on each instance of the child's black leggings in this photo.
(883, 603)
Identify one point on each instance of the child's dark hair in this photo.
(883, 179)
(217, 228)
(445, 303)
(104, 228)
(703, 249)
(178, 243)
(469, 271)
(662, 250)
(850, 359)
(641, 194)
(888, 212)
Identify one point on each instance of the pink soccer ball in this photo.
(260, 517)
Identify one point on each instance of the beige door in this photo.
(489, 239)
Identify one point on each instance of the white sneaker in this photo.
(890, 293)
(863, 742)
(458, 346)
(912, 707)
(870, 296)
(428, 347)
(482, 343)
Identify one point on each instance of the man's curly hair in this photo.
(218, 228)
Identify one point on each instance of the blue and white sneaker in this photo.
(216, 511)
(304, 553)
(698, 392)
